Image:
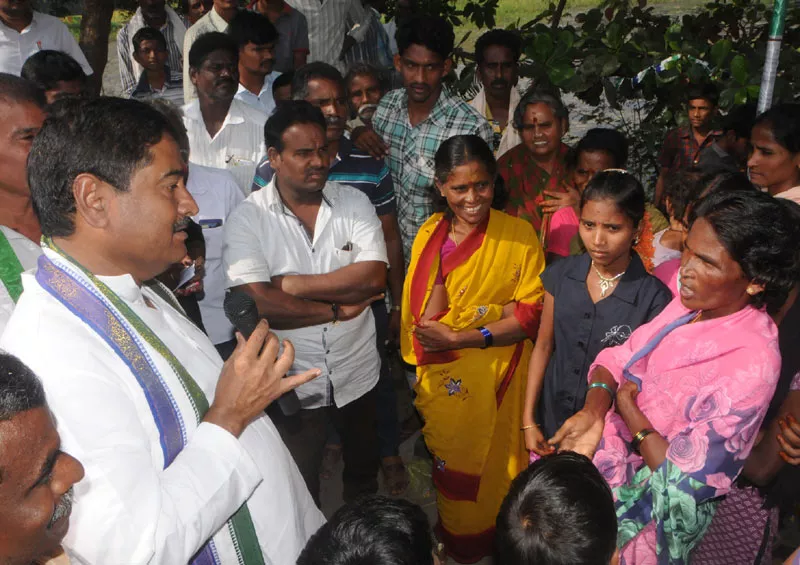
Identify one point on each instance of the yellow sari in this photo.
(472, 399)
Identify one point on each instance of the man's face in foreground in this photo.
(36, 480)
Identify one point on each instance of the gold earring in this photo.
(751, 291)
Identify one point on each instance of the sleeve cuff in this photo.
(372, 255)
(229, 449)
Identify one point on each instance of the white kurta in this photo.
(129, 509)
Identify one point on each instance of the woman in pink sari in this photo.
(689, 389)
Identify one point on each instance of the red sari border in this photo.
(512, 367)
(529, 316)
(466, 548)
(467, 248)
(421, 278)
(455, 485)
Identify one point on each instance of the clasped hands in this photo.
(436, 336)
(582, 432)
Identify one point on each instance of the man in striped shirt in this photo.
(155, 14)
(334, 26)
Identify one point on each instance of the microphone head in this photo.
(239, 305)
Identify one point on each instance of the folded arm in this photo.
(349, 285)
(285, 311)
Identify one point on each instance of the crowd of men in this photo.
(303, 178)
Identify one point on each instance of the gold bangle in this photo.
(523, 428)
(637, 440)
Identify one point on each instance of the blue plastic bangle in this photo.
(488, 338)
(606, 388)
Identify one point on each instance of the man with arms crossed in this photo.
(181, 462)
(312, 255)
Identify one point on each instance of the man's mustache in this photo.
(334, 121)
(63, 507)
(180, 225)
(500, 83)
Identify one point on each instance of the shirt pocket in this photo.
(344, 257)
(235, 161)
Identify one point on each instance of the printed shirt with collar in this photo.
(263, 100)
(127, 65)
(217, 195)
(352, 167)
(172, 89)
(412, 150)
(212, 21)
(581, 329)
(263, 239)
(44, 32)
(328, 24)
(238, 145)
(681, 150)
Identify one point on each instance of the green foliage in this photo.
(634, 65)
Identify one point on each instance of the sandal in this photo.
(394, 472)
(330, 459)
(439, 551)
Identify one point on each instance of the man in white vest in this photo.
(182, 464)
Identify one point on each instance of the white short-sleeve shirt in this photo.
(264, 100)
(264, 239)
(237, 147)
(45, 32)
(217, 195)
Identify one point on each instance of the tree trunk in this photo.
(558, 13)
(95, 32)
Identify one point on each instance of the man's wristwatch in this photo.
(335, 308)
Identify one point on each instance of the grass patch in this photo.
(521, 11)
(118, 21)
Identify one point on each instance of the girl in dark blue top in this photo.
(592, 301)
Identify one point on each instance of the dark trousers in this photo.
(385, 393)
(306, 432)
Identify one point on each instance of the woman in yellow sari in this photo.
(472, 302)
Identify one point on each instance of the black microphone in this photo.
(242, 312)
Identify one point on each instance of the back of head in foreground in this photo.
(373, 530)
(559, 511)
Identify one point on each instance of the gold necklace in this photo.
(453, 232)
(606, 282)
